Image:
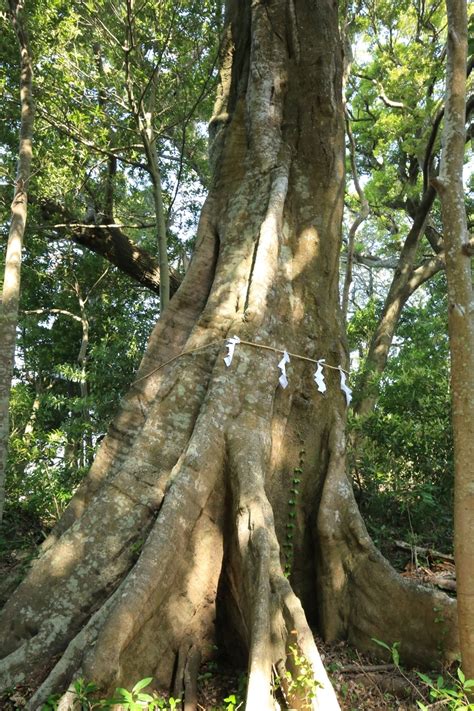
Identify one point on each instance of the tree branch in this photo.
(76, 136)
(114, 245)
(362, 215)
(42, 312)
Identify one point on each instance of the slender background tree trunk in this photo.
(461, 322)
(11, 284)
(364, 212)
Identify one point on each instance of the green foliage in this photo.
(299, 681)
(88, 86)
(85, 693)
(59, 408)
(233, 703)
(395, 91)
(136, 699)
(403, 468)
(85, 698)
(88, 150)
(394, 653)
(453, 694)
(82, 692)
(363, 323)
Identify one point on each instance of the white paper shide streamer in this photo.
(231, 343)
(283, 380)
(319, 376)
(345, 389)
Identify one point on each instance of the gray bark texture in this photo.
(214, 481)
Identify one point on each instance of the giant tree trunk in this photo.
(176, 537)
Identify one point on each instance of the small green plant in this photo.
(134, 700)
(455, 694)
(136, 548)
(137, 700)
(301, 682)
(208, 671)
(83, 692)
(394, 653)
(232, 702)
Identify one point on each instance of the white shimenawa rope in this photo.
(233, 341)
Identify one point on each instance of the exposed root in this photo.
(275, 618)
(356, 580)
(70, 581)
(75, 576)
(187, 676)
(165, 606)
(160, 620)
(67, 702)
(69, 665)
(260, 654)
(301, 635)
(171, 591)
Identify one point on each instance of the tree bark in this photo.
(149, 143)
(82, 357)
(11, 285)
(143, 116)
(213, 481)
(112, 243)
(460, 321)
(359, 219)
(405, 281)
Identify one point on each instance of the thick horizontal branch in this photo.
(87, 225)
(373, 262)
(425, 271)
(114, 245)
(389, 102)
